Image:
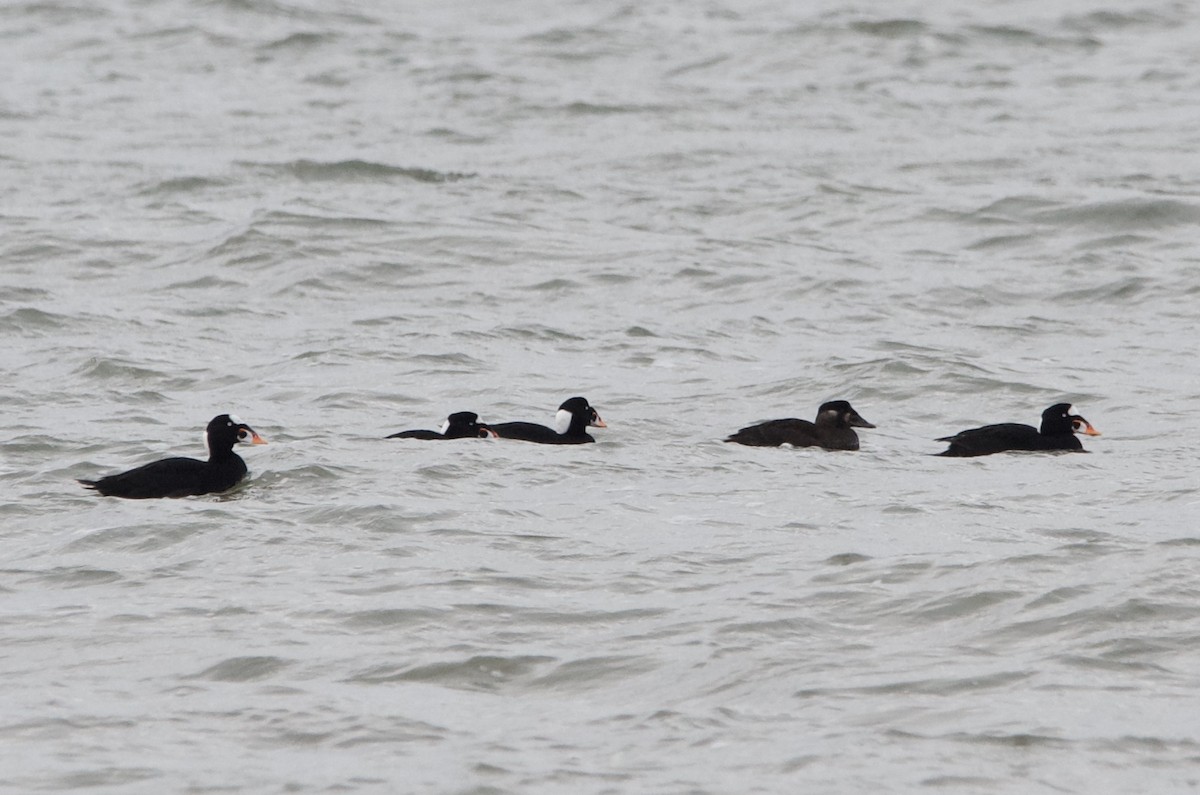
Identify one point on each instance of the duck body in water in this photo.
(1060, 423)
(832, 430)
(459, 425)
(186, 477)
(574, 417)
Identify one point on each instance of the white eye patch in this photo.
(445, 427)
(236, 420)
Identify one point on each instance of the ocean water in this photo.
(339, 220)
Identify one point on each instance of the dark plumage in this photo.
(459, 425)
(1060, 423)
(833, 430)
(186, 477)
(571, 423)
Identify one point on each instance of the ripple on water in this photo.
(176, 186)
(30, 322)
(355, 171)
(73, 576)
(1128, 216)
(243, 669)
(389, 618)
(479, 672)
(138, 537)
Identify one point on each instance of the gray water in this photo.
(340, 220)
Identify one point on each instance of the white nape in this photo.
(562, 421)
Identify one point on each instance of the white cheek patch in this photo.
(562, 420)
(445, 427)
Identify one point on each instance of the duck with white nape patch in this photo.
(571, 422)
(187, 477)
(1060, 423)
(459, 425)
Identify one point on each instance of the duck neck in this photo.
(568, 424)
